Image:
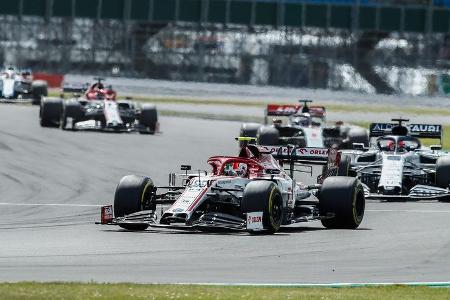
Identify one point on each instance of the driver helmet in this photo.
(390, 146)
(303, 119)
(401, 145)
(228, 170)
(242, 170)
(235, 169)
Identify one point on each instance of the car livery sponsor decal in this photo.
(193, 192)
(106, 214)
(282, 110)
(291, 109)
(298, 152)
(255, 221)
(420, 130)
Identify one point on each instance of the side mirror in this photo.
(436, 147)
(358, 146)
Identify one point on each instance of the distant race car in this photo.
(305, 127)
(397, 166)
(18, 86)
(98, 109)
(250, 192)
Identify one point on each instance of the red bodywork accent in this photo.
(197, 199)
(99, 92)
(107, 214)
(257, 159)
(292, 109)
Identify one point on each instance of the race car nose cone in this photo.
(390, 190)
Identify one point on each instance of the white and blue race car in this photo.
(18, 86)
(397, 166)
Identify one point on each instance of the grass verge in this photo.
(29, 290)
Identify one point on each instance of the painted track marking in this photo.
(408, 210)
(50, 204)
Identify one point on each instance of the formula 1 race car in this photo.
(397, 166)
(98, 109)
(248, 192)
(20, 87)
(306, 127)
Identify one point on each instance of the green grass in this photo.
(80, 291)
(376, 108)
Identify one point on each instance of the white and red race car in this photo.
(98, 109)
(251, 192)
(305, 126)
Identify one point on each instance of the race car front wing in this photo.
(418, 192)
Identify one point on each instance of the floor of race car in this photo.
(53, 182)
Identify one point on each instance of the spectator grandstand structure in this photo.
(315, 43)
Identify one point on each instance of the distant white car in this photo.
(305, 127)
(18, 86)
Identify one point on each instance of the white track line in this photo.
(408, 210)
(50, 204)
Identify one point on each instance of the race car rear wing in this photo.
(431, 131)
(285, 110)
(330, 158)
(74, 87)
(309, 155)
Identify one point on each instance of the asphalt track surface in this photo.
(51, 182)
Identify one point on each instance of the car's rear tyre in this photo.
(268, 135)
(264, 196)
(344, 165)
(343, 198)
(39, 89)
(130, 194)
(72, 110)
(148, 119)
(50, 112)
(443, 174)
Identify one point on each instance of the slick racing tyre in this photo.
(50, 112)
(148, 119)
(443, 174)
(130, 194)
(73, 113)
(268, 136)
(344, 165)
(39, 89)
(248, 130)
(341, 198)
(264, 196)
